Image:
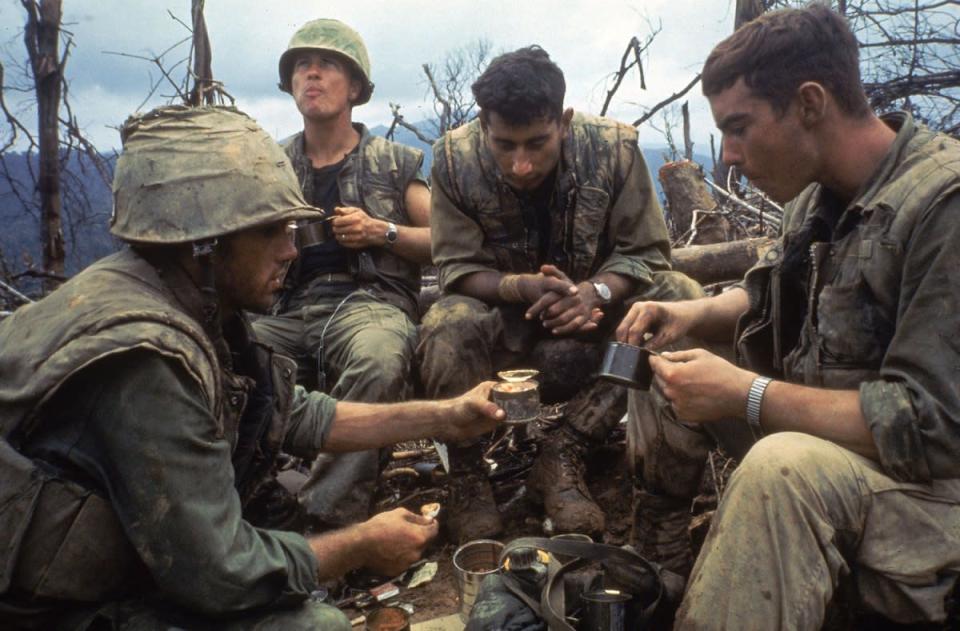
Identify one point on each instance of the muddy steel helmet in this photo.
(332, 36)
(194, 173)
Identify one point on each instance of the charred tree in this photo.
(42, 39)
(692, 208)
(909, 54)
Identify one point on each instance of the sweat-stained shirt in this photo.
(873, 301)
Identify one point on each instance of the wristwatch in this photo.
(392, 233)
(603, 292)
(754, 399)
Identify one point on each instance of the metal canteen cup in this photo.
(627, 365)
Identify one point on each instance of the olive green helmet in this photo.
(195, 173)
(333, 36)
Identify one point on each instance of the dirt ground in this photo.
(608, 479)
(420, 480)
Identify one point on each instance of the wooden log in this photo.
(685, 191)
(687, 194)
(719, 262)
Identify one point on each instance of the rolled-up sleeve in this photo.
(913, 412)
(636, 228)
(311, 417)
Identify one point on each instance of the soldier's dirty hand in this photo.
(665, 322)
(472, 414)
(701, 387)
(578, 313)
(395, 540)
(545, 288)
(355, 229)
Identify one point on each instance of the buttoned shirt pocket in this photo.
(853, 331)
(505, 238)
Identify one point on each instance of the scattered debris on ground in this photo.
(414, 477)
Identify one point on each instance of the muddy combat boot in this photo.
(471, 511)
(556, 480)
(661, 530)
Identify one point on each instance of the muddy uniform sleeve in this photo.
(914, 411)
(149, 439)
(636, 227)
(311, 418)
(456, 240)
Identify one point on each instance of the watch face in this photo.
(603, 291)
(391, 233)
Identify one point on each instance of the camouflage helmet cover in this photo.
(333, 36)
(194, 173)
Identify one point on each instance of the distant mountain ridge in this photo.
(87, 231)
(654, 156)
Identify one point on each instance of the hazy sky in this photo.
(247, 37)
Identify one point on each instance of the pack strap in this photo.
(551, 606)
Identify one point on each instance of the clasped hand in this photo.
(562, 306)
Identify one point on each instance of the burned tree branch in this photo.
(439, 98)
(633, 48)
(157, 60)
(399, 120)
(667, 101)
(16, 127)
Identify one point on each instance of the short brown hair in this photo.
(780, 50)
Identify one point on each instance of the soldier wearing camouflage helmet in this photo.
(349, 308)
(139, 418)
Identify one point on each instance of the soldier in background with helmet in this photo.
(349, 307)
(138, 416)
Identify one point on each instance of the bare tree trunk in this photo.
(202, 93)
(687, 141)
(691, 205)
(42, 39)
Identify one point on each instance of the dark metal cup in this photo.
(627, 365)
(606, 610)
(312, 232)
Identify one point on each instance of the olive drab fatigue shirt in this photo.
(882, 304)
(607, 218)
(132, 422)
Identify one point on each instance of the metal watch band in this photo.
(754, 399)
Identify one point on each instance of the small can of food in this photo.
(388, 619)
(520, 400)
